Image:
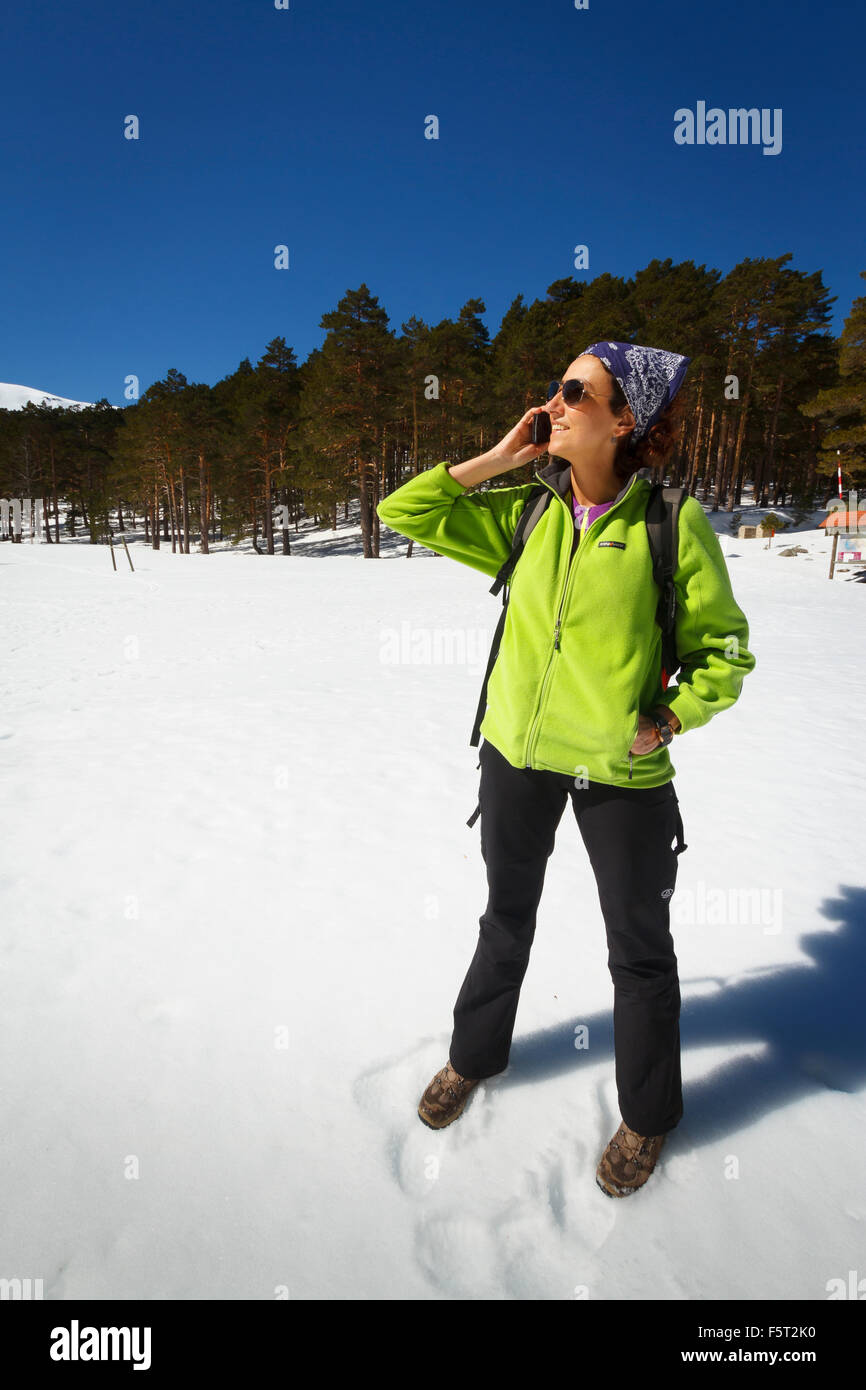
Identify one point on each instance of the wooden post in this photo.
(126, 548)
(111, 548)
(833, 554)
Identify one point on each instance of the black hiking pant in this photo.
(628, 834)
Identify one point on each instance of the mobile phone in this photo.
(541, 427)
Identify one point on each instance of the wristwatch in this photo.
(666, 733)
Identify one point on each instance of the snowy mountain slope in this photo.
(16, 397)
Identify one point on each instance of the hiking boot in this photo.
(444, 1098)
(627, 1161)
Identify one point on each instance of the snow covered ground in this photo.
(239, 896)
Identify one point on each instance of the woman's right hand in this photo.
(516, 447)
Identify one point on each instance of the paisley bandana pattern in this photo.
(649, 377)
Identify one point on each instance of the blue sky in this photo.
(305, 126)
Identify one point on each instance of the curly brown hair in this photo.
(656, 446)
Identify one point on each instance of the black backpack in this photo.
(662, 512)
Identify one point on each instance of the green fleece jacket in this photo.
(580, 656)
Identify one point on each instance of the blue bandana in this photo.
(649, 377)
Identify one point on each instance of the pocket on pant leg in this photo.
(665, 797)
(665, 832)
(673, 846)
(655, 796)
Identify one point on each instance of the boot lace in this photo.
(633, 1146)
(455, 1087)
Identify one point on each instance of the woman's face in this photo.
(584, 429)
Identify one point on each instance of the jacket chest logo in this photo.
(618, 545)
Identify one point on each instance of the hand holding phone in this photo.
(525, 442)
(541, 427)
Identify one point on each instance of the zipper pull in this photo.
(629, 767)
(556, 635)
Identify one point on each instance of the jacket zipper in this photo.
(556, 646)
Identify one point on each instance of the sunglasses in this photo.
(573, 391)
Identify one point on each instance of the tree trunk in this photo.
(743, 415)
(707, 466)
(184, 502)
(176, 521)
(170, 510)
(774, 420)
(268, 527)
(286, 520)
(255, 521)
(812, 464)
(202, 502)
(721, 458)
(367, 487)
(692, 466)
(54, 495)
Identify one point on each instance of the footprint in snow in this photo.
(536, 1237)
(390, 1093)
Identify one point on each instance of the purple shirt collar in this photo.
(594, 511)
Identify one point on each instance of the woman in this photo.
(576, 709)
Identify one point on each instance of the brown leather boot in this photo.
(627, 1161)
(445, 1097)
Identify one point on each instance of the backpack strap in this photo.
(662, 516)
(533, 508)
